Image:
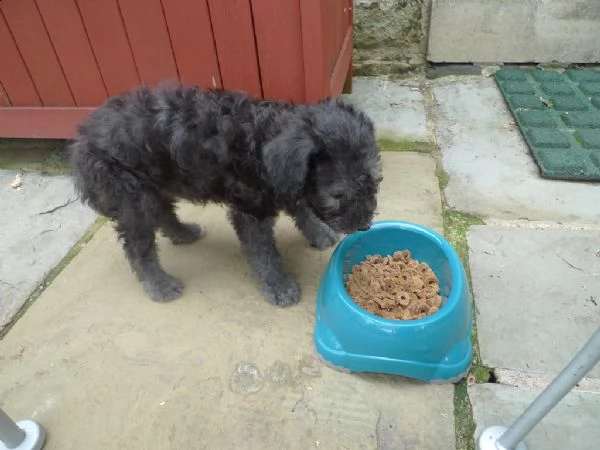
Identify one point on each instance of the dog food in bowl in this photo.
(395, 287)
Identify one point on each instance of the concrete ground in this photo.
(101, 366)
(41, 221)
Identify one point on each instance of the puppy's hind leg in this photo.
(258, 242)
(318, 234)
(138, 238)
(178, 232)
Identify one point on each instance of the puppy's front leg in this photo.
(318, 234)
(258, 243)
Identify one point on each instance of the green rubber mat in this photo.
(559, 117)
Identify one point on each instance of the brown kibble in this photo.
(423, 269)
(433, 301)
(403, 256)
(429, 292)
(430, 279)
(410, 272)
(395, 287)
(415, 308)
(404, 299)
(385, 303)
(413, 264)
(390, 285)
(387, 314)
(417, 283)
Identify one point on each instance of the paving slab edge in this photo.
(54, 273)
(464, 422)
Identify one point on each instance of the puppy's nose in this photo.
(364, 228)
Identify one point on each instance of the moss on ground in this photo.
(393, 145)
(443, 178)
(64, 262)
(481, 374)
(456, 227)
(463, 417)
(45, 156)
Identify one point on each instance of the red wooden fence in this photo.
(59, 59)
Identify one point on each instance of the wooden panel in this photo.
(342, 66)
(327, 40)
(104, 26)
(336, 17)
(4, 100)
(13, 74)
(279, 42)
(348, 85)
(47, 122)
(72, 46)
(147, 31)
(190, 29)
(329, 10)
(313, 50)
(236, 49)
(30, 34)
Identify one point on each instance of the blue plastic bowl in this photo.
(436, 348)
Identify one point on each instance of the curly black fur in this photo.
(139, 152)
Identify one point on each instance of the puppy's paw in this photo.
(163, 289)
(324, 239)
(284, 292)
(187, 233)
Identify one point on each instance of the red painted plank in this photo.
(236, 49)
(106, 32)
(4, 100)
(313, 50)
(66, 30)
(190, 29)
(348, 86)
(342, 66)
(279, 42)
(13, 73)
(147, 31)
(336, 17)
(47, 122)
(30, 34)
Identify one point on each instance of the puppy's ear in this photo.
(287, 160)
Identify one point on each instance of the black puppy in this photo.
(139, 152)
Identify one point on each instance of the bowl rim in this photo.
(456, 270)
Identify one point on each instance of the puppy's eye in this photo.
(338, 196)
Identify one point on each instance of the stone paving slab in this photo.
(537, 295)
(39, 223)
(101, 366)
(398, 110)
(572, 424)
(491, 170)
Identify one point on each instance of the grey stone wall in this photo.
(517, 31)
(390, 36)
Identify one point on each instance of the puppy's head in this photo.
(329, 159)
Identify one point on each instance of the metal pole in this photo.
(10, 433)
(580, 365)
(23, 435)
